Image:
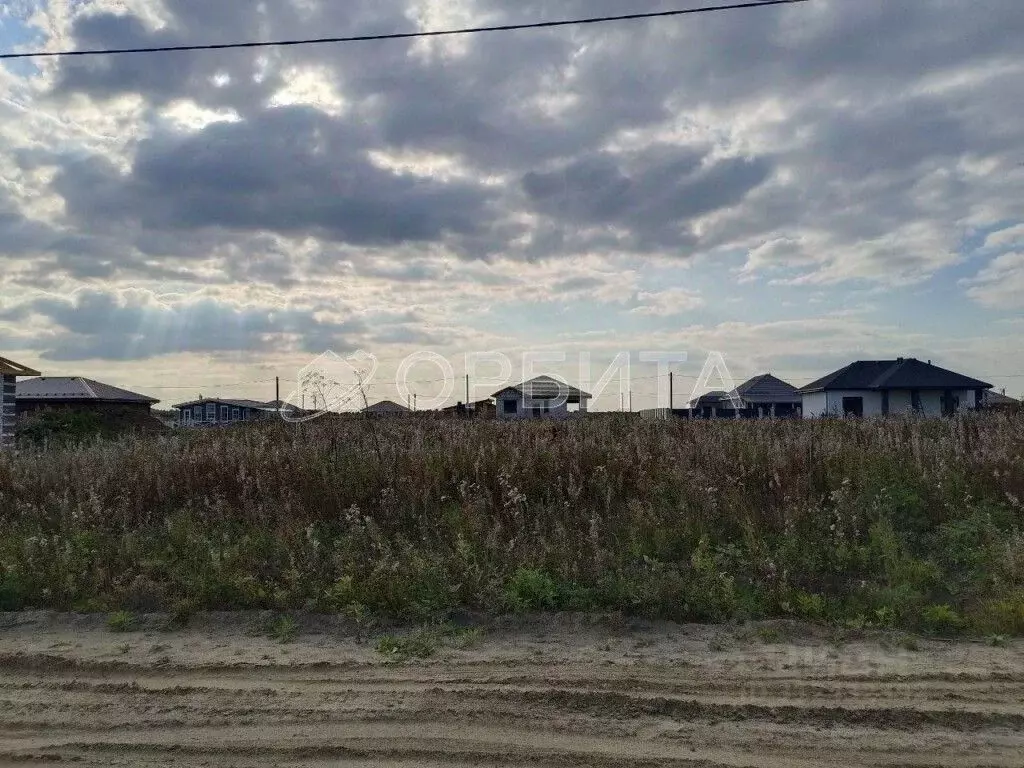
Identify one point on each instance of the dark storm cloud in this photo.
(291, 170)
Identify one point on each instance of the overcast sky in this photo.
(796, 187)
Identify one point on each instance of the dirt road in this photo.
(564, 692)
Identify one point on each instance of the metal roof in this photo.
(386, 406)
(768, 389)
(547, 388)
(11, 368)
(251, 404)
(902, 373)
(77, 389)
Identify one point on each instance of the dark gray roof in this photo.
(547, 388)
(710, 399)
(62, 389)
(903, 373)
(998, 398)
(768, 389)
(386, 406)
(253, 404)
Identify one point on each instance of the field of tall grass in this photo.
(908, 523)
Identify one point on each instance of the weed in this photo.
(997, 641)
(910, 643)
(531, 590)
(122, 621)
(284, 629)
(941, 620)
(421, 644)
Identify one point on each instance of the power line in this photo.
(404, 35)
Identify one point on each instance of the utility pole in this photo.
(671, 392)
(467, 391)
(277, 394)
(631, 401)
(415, 402)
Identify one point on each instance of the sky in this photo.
(794, 187)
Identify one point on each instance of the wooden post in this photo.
(277, 394)
(671, 393)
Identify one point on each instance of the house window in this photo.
(509, 407)
(236, 414)
(211, 412)
(224, 413)
(853, 406)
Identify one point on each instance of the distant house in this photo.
(482, 409)
(221, 411)
(999, 401)
(541, 398)
(9, 373)
(764, 396)
(77, 393)
(716, 405)
(387, 408)
(882, 387)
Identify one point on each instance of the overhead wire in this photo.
(401, 35)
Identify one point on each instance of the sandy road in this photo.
(563, 691)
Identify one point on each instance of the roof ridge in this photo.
(85, 383)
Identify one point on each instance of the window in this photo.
(509, 407)
(236, 414)
(224, 413)
(211, 412)
(853, 406)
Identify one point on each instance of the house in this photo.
(882, 387)
(482, 409)
(764, 396)
(77, 393)
(387, 408)
(999, 401)
(220, 411)
(716, 405)
(768, 396)
(542, 397)
(9, 373)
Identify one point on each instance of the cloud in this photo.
(1000, 285)
(137, 325)
(828, 144)
(668, 303)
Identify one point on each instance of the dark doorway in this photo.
(853, 406)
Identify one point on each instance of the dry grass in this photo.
(903, 522)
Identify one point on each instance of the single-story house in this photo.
(78, 393)
(716, 405)
(882, 387)
(482, 409)
(214, 411)
(539, 398)
(764, 396)
(999, 401)
(387, 408)
(9, 373)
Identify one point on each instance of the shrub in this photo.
(122, 621)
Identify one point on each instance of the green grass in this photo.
(284, 629)
(122, 621)
(908, 524)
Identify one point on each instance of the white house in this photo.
(883, 387)
(541, 398)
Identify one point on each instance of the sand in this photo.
(545, 691)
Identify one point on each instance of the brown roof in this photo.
(11, 368)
